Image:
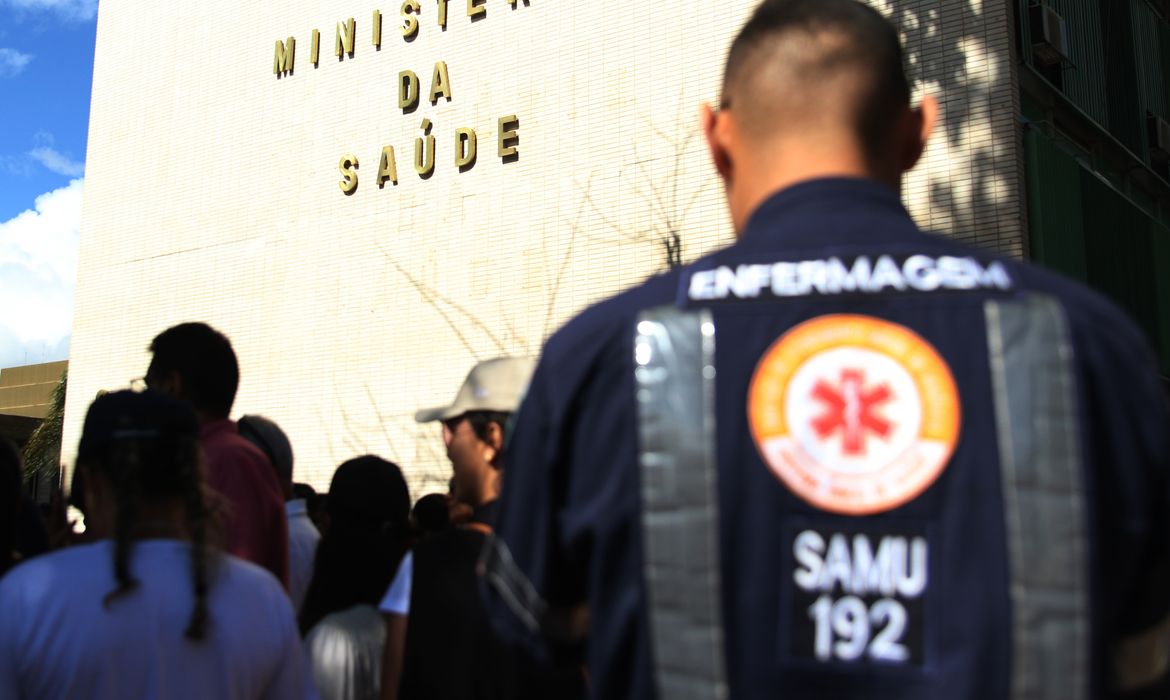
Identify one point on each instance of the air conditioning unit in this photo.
(1049, 35)
(1159, 132)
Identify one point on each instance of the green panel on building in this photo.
(1084, 228)
(1055, 221)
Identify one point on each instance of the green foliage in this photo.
(42, 454)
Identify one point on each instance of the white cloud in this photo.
(12, 62)
(38, 267)
(72, 10)
(57, 162)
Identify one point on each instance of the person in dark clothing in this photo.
(10, 504)
(450, 650)
(439, 643)
(842, 457)
(22, 527)
(430, 516)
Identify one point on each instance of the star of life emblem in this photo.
(854, 414)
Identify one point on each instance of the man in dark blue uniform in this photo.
(840, 458)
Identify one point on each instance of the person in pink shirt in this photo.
(196, 363)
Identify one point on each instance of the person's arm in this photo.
(392, 655)
(1128, 443)
(395, 607)
(522, 568)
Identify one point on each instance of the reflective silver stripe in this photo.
(1044, 500)
(499, 569)
(675, 379)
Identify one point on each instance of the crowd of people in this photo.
(206, 576)
(941, 474)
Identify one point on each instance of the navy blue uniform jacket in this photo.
(796, 625)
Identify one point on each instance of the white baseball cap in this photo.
(492, 385)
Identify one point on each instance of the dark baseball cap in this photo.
(267, 435)
(129, 415)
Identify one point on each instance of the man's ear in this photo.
(921, 121)
(495, 436)
(715, 133)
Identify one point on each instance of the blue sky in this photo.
(46, 70)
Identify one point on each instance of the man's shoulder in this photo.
(449, 546)
(1090, 314)
(602, 322)
(227, 448)
(230, 442)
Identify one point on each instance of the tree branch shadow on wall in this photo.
(669, 198)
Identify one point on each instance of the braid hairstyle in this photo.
(196, 507)
(146, 446)
(122, 470)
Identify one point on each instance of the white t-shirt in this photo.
(58, 640)
(397, 598)
(302, 550)
(345, 654)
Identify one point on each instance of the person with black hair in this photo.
(22, 526)
(841, 457)
(430, 516)
(196, 363)
(150, 609)
(369, 510)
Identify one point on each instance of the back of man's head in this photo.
(802, 65)
(272, 441)
(204, 362)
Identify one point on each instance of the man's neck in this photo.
(770, 170)
(488, 490)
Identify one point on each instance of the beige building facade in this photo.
(267, 168)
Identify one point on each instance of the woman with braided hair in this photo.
(149, 609)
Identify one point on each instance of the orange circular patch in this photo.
(854, 414)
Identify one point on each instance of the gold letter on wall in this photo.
(377, 22)
(387, 169)
(509, 137)
(410, 10)
(464, 149)
(285, 53)
(440, 83)
(407, 91)
(315, 50)
(476, 9)
(442, 13)
(345, 36)
(348, 169)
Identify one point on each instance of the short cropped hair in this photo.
(795, 47)
(480, 420)
(204, 359)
